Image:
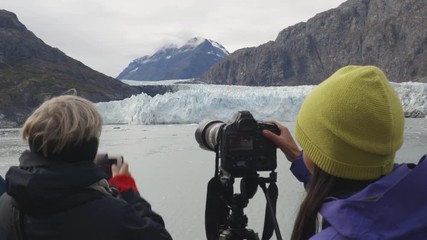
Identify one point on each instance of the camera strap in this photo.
(270, 221)
(216, 211)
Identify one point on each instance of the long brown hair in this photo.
(321, 185)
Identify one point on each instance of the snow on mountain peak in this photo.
(168, 46)
(195, 41)
(219, 46)
(166, 50)
(172, 61)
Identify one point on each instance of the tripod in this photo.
(232, 226)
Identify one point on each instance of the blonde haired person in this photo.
(350, 127)
(57, 192)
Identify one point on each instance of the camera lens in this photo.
(207, 133)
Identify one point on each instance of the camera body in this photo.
(242, 148)
(105, 161)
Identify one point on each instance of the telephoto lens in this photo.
(207, 133)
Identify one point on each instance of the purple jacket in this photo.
(394, 207)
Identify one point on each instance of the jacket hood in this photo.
(390, 208)
(38, 183)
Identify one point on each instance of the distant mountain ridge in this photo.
(173, 62)
(31, 71)
(391, 34)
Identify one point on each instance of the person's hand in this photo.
(122, 178)
(124, 169)
(284, 141)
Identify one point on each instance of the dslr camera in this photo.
(239, 144)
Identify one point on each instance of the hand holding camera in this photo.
(123, 170)
(111, 164)
(284, 141)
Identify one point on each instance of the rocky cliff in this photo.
(391, 34)
(31, 71)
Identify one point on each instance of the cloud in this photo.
(107, 35)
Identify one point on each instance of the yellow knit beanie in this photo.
(352, 123)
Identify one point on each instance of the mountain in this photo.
(32, 71)
(172, 62)
(391, 34)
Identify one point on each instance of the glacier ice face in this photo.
(413, 96)
(195, 102)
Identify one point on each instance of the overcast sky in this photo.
(107, 35)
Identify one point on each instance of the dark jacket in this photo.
(2, 186)
(392, 207)
(40, 188)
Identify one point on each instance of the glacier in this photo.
(192, 103)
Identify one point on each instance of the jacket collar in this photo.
(39, 181)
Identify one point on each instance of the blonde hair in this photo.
(61, 122)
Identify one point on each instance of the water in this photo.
(171, 172)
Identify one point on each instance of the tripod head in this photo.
(237, 220)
